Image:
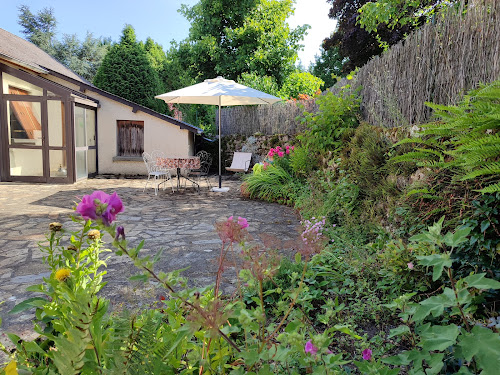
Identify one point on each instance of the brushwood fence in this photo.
(438, 63)
(279, 118)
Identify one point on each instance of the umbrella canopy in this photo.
(221, 92)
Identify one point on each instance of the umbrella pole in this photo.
(220, 161)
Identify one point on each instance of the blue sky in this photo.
(157, 19)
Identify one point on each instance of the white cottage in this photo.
(57, 127)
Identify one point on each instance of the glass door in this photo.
(85, 142)
(34, 134)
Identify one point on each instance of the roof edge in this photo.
(135, 107)
(35, 68)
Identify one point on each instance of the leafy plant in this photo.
(447, 334)
(465, 140)
(335, 119)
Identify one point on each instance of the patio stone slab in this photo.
(182, 223)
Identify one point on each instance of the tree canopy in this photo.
(231, 38)
(327, 66)
(83, 57)
(128, 71)
(355, 43)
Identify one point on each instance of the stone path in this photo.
(182, 223)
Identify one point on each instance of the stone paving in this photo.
(182, 223)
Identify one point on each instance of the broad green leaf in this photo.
(139, 277)
(484, 345)
(400, 359)
(455, 239)
(401, 330)
(438, 337)
(485, 224)
(292, 326)
(438, 261)
(479, 281)
(435, 364)
(250, 356)
(434, 305)
(27, 304)
(31, 346)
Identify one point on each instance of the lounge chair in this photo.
(241, 162)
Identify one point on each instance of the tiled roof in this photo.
(26, 52)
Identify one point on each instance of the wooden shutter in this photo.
(130, 138)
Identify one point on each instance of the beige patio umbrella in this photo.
(221, 92)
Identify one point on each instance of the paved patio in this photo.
(182, 223)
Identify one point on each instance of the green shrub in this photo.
(465, 140)
(326, 129)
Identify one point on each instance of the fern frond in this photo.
(492, 168)
(493, 188)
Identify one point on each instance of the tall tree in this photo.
(355, 43)
(328, 66)
(39, 28)
(83, 57)
(229, 38)
(128, 71)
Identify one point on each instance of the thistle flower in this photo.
(62, 274)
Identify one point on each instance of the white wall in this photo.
(158, 135)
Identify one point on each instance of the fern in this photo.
(466, 140)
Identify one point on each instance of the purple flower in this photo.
(100, 205)
(310, 348)
(410, 265)
(367, 354)
(120, 232)
(115, 206)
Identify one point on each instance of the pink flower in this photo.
(281, 154)
(410, 265)
(367, 354)
(293, 148)
(265, 165)
(287, 150)
(232, 231)
(100, 205)
(310, 348)
(271, 153)
(243, 222)
(278, 148)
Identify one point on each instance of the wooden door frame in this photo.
(63, 95)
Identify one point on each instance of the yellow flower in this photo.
(63, 274)
(55, 226)
(94, 234)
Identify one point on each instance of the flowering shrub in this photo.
(192, 330)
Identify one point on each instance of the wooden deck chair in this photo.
(241, 162)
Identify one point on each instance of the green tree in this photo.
(39, 28)
(300, 83)
(83, 57)
(265, 84)
(398, 13)
(327, 66)
(128, 71)
(231, 38)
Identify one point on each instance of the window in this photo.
(130, 138)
